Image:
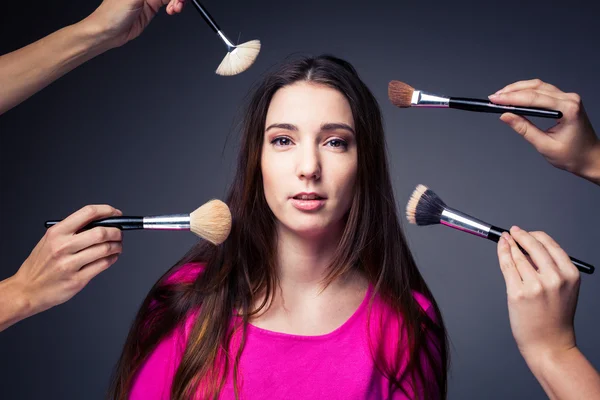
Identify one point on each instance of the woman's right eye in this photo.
(281, 141)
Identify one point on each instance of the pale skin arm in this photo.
(25, 71)
(541, 306)
(571, 144)
(60, 265)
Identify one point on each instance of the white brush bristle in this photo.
(239, 59)
(212, 221)
(411, 207)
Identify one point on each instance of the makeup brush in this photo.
(426, 208)
(211, 221)
(403, 96)
(239, 57)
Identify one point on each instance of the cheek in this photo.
(346, 183)
(270, 177)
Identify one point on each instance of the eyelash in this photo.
(342, 143)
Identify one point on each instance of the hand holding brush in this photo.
(542, 292)
(425, 207)
(211, 221)
(571, 144)
(61, 264)
(403, 95)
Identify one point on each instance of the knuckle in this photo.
(107, 248)
(535, 289)
(573, 108)
(101, 234)
(521, 128)
(572, 274)
(90, 211)
(555, 282)
(52, 233)
(575, 98)
(515, 296)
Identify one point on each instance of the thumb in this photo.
(529, 131)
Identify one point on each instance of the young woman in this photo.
(315, 294)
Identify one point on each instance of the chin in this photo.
(311, 229)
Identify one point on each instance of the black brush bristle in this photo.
(429, 209)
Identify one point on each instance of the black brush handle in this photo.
(489, 107)
(123, 223)
(209, 20)
(496, 233)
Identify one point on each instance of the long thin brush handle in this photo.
(496, 233)
(123, 223)
(209, 20)
(489, 107)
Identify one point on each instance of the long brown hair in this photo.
(243, 267)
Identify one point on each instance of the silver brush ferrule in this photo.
(230, 46)
(424, 99)
(168, 222)
(461, 221)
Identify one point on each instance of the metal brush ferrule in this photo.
(230, 46)
(424, 99)
(461, 221)
(168, 222)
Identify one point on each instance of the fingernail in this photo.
(493, 96)
(515, 228)
(505, 236)
(500, 91)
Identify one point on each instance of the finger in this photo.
(561, 258)
(88, 272)
(507, 265)
(534, 135)
(536, 250)
(528, 98)
(526, 270)
(96, 235)
(84, 216)
(179, 6)
(94, 253)
(529, 84)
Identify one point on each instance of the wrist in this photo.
(590, 169)
(94, 37)
(542, 360)
(15, 296)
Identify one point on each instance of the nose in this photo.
(309, 163)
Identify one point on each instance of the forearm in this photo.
(25, 71)
(565, 375)
(14, 305)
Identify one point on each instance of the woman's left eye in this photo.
(337, 143)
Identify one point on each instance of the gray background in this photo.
(144, 128)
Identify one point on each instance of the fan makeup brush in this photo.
(425, 207)
(239, 57)
(403, 95)
(211, 221)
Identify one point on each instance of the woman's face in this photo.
(309, 158)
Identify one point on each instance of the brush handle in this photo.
(123, 223)
(209, 20)
(489, 107)
(495, 234)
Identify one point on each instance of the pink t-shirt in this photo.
(284, 366)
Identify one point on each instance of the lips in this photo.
(309, 196)
(308, 201)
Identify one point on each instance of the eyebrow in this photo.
(331, 126)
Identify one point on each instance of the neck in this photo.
(302, 261)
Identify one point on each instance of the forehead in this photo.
(306, 103)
